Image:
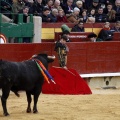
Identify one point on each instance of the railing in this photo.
(20, 30)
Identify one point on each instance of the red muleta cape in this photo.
(67, 82)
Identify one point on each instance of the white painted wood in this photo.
(99, 75)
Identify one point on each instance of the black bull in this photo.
(24, 76)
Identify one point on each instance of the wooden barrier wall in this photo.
(49, 29)
(83, 36)
(74, 36)
(86, 57)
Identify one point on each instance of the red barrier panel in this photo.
(116, 36)
(19, 52)
(85, 57)
(75, 36)
(82, 36)
(96, 57)
(86, 25)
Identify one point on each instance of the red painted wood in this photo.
(86, 25)
(116, 36)
(47, 40)
(56, 25)
(74, 36)
(18, 52)
(85, 57)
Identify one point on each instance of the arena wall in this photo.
(85, 57)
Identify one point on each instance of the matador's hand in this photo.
(65, 67)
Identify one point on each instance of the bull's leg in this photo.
(36, 95)
(5, 94)
(29, 99)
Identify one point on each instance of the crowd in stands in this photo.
(69, 11)
(72, 11)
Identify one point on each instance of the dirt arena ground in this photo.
(101, 105)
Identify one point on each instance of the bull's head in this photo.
(45, 56)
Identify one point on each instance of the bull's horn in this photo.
(34, 56)
(51, 57)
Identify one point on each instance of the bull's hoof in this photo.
(35, 111)
(28, 110)
(6, 114)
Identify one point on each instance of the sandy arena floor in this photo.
(101, 105)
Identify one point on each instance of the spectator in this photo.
(111, 1)
(61, 16)
(107, 1)
(37, 8)
(110, 13)
(91, 16)
(25, 15)
(103, 3)
(79, 4)
(95, 5)
(68, 7)
(106, 34)
(56, 4)
(6, 8)
(18, 5)
(83, 3)
(65, 31)
(63, 1)
(28, 3)
(108, 8)
(93, 38)
(45, 17)
(53, 15)
(49, 4)
(91, 13)
(100, 16)
(87, 4)
(111, 16)
(84, 16)
(44, 2)
(117, 9)
(78, 27)
(74, 17)
(116, 28)
(25, 12)
(90, 20)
